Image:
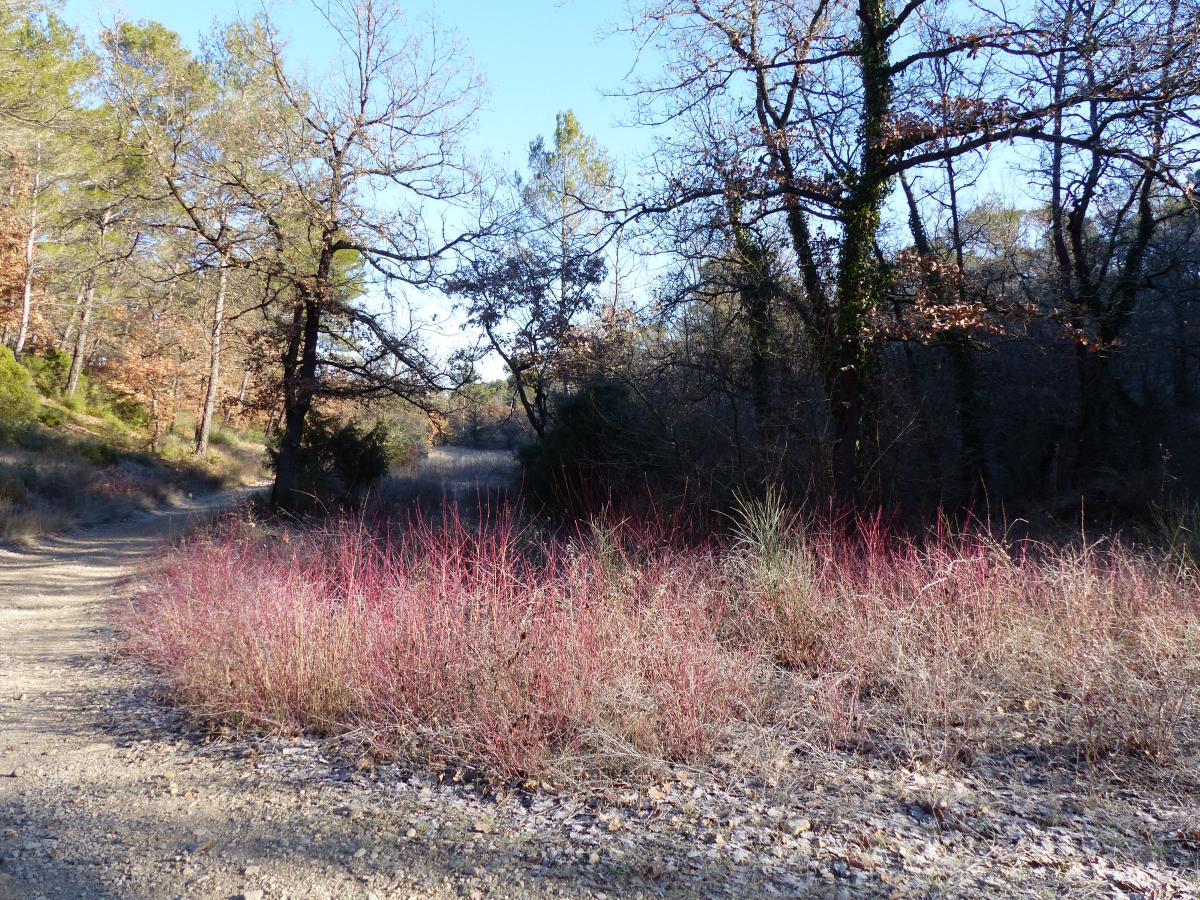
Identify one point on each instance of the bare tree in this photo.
(811, 111)
(1113, 164)
(369, 163)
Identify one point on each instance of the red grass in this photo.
(621, 644)
(458, 638)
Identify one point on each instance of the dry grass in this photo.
(449, 476)
(47, 492)
(454, 466)
(622, 646)
(52, 482)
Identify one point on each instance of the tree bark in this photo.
(204, 427)
(241, 399)
(299, 388)
(973, 458)
(81, 337)
(859, 279)
(73, 321)
(756, 291)
(30, 246)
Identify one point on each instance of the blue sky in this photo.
(539, 57)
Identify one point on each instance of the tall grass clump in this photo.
(622, 644)
(449, 643)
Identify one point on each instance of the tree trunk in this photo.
(847, 403)
(155, 425)
(973, 458)
(69, 333)
(79, 354)
(174, 402)
(859, 278)
(755, 293)
(81, 337)
(973, 464)
(241, 399)
(1097, 382)
(299, 388)
(1091, 442)
(30, 246)
(757, 304)
(1181, 371)
(204, 427)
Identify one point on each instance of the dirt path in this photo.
(75, 810)
(101, 794)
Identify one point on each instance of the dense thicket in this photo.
(927, 253)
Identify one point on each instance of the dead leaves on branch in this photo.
(939, 303)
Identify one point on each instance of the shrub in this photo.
(14, 484)
(601, 440)
(1175, 529)
(252, 433)
(222, 437)
(128, 411)
(18, 396)
(99, 454)
(115, 407)
(50, 370)
(51, 417)
(340, 462)
(408, 440)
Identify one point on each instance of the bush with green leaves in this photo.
(99, 454)
(341, 461)
(50, 370)
(51, 417)
(18, 396)
(114, 407)
(128, 411)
